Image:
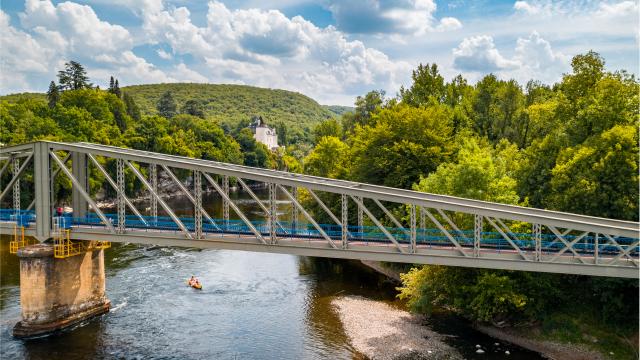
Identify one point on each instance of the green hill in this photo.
(230, 104)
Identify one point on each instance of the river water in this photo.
(252, 306)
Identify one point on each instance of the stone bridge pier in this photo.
(58, 293)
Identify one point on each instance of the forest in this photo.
(570, 146)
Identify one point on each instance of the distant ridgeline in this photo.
(232, 105)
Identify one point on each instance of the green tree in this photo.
(330, 127)
(366, 106)
(599, 177)
(329, 158)
(194, 108)
(53, 94)
(73, 77)
(428, 85)
(401, 144)
(166, 105)
(132, 108)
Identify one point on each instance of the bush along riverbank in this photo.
(560, 316)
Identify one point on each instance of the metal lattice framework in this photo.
(389, 224)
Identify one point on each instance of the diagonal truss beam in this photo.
(6, 165)
(384, 230)
(16, 177)
(573, 242)
(326, 209)
(115, 187)
(306, 214)
(234, 207)
(187, 193)
(390, 216)
(257, 200)
(445, 232)
(566, 244)
(453, 225)
(623, 252)
(82, 192)
(506, 237)
(160, 201)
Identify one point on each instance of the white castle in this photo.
(263, 133)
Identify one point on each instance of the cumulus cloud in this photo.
(533, 58)
(479, 53)
(389, 17)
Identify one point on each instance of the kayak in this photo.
(195, 286)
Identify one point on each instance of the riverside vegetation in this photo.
(571, 146)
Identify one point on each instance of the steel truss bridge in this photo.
(371, 223)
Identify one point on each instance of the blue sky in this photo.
(330, 50)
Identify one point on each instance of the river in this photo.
(252, 306)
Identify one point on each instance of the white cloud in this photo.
(411, 17)
(527, 8)
(479, 53)
(534, 59)
(164, 55)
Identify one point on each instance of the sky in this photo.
(330, 50)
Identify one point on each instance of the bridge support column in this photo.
(58, 293)
(42, 185)
(79, 171)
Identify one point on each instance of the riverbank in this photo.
(380, 331)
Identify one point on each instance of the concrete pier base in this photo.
(58, 293)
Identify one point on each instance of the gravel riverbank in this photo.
(380, 331)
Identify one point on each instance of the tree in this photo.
(53, 94)
(599, 177)
(401, 144)
(329, 158)
(365, 107)
(166, 106)
(116, 90)
(73, 77)
(194, 108)
(112, 85)
(329, 127)
(427, 85)
(131, 107)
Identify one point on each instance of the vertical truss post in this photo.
(16, 187)
(197, 183)
(345, 220)
(294, 211)
(121, 202)
(477, 234)
(423, 222)
(360, 214)
(273, 213)
(596, 249)
(43, 193)
(537, 236)
(79, 171)
(225, 202)
(153, 180)
(413, 246)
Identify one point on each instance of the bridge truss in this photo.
(367, 222)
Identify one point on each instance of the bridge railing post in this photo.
(294, 211)
(345, 219)
(413, 246)
(121, 195)
(197, 183)
(273, 213)
(16, 187)
(225, 201)
(477, 234)
(153, 180)
(537, 236)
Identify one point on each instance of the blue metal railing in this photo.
(430, 237)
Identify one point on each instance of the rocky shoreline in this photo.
(547, 349)
(381, 332)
